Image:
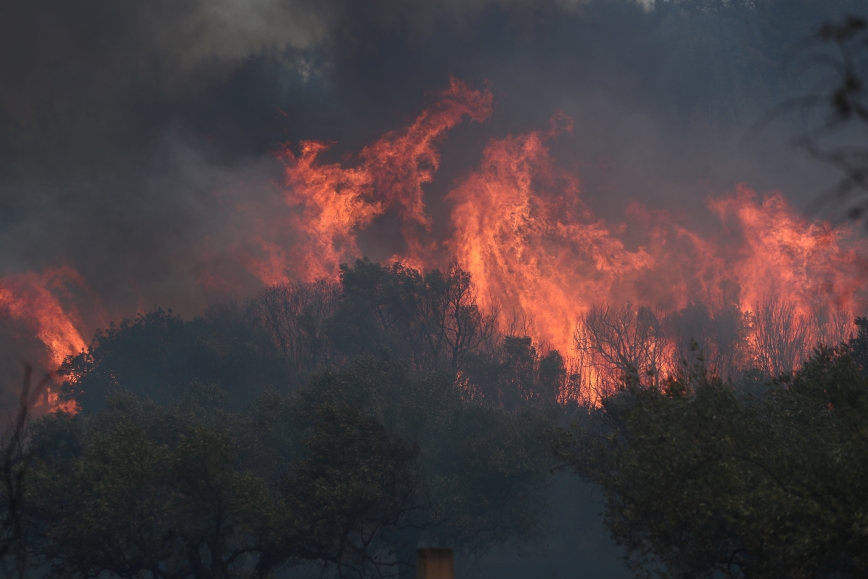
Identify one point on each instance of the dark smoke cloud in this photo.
(137, 138)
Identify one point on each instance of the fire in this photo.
(331, 202)
(531, 245)
(32, 300)
(536, 252)
(811, 265)
(523, 232)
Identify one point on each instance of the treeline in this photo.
(280, 338)
(771, 341)
(341, 426)
(349, 474)
(284, 335)
(313, 425)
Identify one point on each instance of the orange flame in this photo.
(31, 299)
(536, 250)
(811, 265)
(332, 202)
(524, 234)
(532, 246)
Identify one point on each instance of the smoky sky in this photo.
(135, 134)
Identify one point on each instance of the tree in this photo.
(294, 317)
(485, 469)
(782, 335)
(14, 466)
(858, 345)
(702, 481)
(516, 375)
(619, 341)
(279, 338)
(144, 495)
(159, 355)
(355, 488)
(141, 490)
(432, 320)
(720, 330)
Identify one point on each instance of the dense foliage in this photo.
(706, 479)
(349, 473)
(170, 491)
(278, 339)
(343, 426)
(306, 426)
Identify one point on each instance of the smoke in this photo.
(138, 139)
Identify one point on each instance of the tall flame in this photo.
(811, 265)
(531, 245)
(535, 249)
(332, 202)
(523, 232)
(31, 298)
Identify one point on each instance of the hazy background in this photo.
(137, 138)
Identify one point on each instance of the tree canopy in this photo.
(393, 372)
(703, 479)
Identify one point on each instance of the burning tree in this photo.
(618, 342)
(782, 337)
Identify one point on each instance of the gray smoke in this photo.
(137, 138)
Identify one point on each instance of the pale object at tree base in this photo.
(434, 563)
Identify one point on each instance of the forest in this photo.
(342, 426)
(328, 416)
